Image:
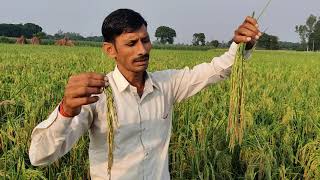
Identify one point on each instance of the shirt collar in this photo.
(122, 83)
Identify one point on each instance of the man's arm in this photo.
(187, 82)
(55, 136)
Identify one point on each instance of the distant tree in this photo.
(302, 31)
(224, 44)
(74, 36)
(41, 35)
(214, 43)
(314, 38)
(59, 34)
(306, 30)
(70, 35)
(311, 22)
(230, 42)
(165, 34)
(29, 29)
(269, 42)
(199, 39)
(49, 36)
(11, 30)
(288, 45)
(17, 30)
(95, 38)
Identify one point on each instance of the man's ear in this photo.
(110, 49)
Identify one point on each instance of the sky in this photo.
(217, 19)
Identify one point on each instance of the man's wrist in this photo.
(62, 111)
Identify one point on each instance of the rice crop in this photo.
(282, 114)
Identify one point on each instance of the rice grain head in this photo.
(112, 123)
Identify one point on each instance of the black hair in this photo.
(120, 21)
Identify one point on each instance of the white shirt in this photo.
(143, 136)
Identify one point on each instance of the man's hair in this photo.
(121, 21)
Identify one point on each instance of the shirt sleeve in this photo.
(55, 136)
(187, 82)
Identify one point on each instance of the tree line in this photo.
(309, 34)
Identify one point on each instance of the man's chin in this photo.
(141, 68)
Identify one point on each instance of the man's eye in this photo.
(146, 40)
(130, 44)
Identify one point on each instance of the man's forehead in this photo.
(141, 32)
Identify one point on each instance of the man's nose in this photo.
(141, 48)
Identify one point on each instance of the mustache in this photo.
(142, 58)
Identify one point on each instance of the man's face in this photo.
(132, 50)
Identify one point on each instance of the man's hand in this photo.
(79, 89)
(248, 32)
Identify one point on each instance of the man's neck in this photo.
(135, 79)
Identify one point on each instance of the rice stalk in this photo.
(309, 157)
(112, 123)
(236, 121)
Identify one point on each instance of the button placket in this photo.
(137, 98)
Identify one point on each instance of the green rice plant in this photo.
(282, 113)
(309, 157)
(236, 121)
(112, 123)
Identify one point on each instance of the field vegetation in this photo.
(282, 102)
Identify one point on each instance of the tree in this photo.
(17, 30)
(41, 35)
(95, 38)
(30, 29)
(165, 34)
(314, 38)
(306, 30)
(74, 36)
(311, 21)
(214, 43)
(269, 42)
(59, 34)
(199, 38)
(302, 31)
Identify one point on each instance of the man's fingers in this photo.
(244, 32)
(251, 20)
(89, 75)
(87, 83)
(97, 76)
(83, 92)
(239, 39)
(77, 102)
(250, 27)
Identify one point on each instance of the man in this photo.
(144, 103)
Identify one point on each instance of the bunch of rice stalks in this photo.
(112, 123)
(309, 157)
(236, 122)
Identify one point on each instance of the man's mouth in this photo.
(142, 59)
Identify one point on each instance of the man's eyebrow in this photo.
(131, 40)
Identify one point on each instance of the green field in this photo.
(282, 137)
